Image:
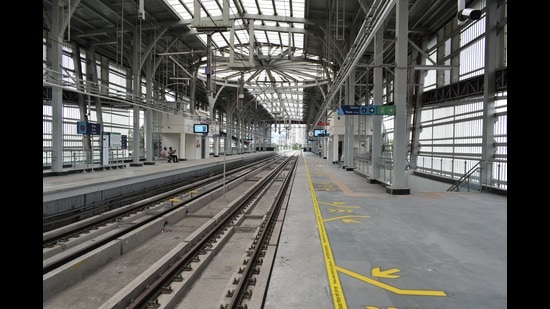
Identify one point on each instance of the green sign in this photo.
(386, 110)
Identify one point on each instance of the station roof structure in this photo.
(287, 55)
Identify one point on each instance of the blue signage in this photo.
(348, 110)
(366, 110)
(83, 127)
(94, 128)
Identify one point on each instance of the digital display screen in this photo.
(319, 132)
(200, 128)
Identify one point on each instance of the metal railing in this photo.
(473, 180)
(469, 175)
(468, 179)
(74, 159)
(464, 170)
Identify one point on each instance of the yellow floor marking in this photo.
(332, 270)
(346, 219)
(334, 281)
(340, 210)
(341, 185)
(339, 204)
(377, 272)
(389, 287)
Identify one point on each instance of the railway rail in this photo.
(175, 196)
(77, 216)
(172, 274)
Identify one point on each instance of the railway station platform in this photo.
(70, 179)
(65, 190)
(346, 243)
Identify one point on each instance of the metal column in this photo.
(489, 83)
(398, 185)
(56, 40)
(377, 100)
(136, 90)
(350, 130)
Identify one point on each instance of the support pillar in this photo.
(377, 100)
(56, 39)
(399, 185)
(149, 151)
(488, 151)
(350, 128)
(136, 90)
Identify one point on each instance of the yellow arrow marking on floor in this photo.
(389, 287)
(376, 272)
(340, 210)
(345, 219)
(374, 307)
(351, 221)
(334, 203)
(339, 204)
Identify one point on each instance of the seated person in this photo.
(163, 154)
(172, 155)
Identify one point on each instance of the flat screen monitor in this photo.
(200, 128)
(319, 132)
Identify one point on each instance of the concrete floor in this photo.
(348, 244)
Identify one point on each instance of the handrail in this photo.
(51, 78)
(464, 177)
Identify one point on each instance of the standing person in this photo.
(172, 155)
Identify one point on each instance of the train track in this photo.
(63, 245)
(80, 214)
(214, 219)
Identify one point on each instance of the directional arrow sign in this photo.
(386, 110)
(376, 272)
(366, 110)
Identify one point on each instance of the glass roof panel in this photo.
(273, 37)
(283, 7)
(250, 6)
(299, 40)
(219, 40)
(298, 7)
(276, 75)
(179, 8)
(284, 38)
(266, 7)
(211, 7)
(202, 37)
(260, 36)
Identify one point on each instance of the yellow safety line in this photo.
(334, 280)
